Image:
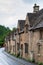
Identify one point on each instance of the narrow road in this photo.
(6, 59)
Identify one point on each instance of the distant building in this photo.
(10, 43)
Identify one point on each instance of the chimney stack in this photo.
(35, 8)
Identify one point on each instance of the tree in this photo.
(3, 33)
(14, 29)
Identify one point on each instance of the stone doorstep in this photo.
(23, 62)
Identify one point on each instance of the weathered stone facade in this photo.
(10, 43)
(37, 46)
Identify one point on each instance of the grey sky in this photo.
(12, 10)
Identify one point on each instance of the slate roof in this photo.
(36, 19)
(40, 25)
(21, 24)
(33, 16)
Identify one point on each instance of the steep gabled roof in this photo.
(21, 24)
(34, 17)
(40, 25)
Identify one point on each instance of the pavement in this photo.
(7, 59)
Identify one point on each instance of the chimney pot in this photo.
(35, 8)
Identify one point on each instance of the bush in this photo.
(18, 55)
(31, 60)
(9, 52)
(39, 63)
(13, 54)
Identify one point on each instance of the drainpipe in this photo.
(15, 46)
(19, 45)
(15, 42)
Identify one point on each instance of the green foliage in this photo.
(13, 54)
(18, 55)
(14, 29)
(8, 51)
(33, 61)
(39, 63)
(3, 32)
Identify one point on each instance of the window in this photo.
(26, 48)
(13, 48)
(41, 34)
(21, 46)
(18, 46)
(38, 48)
(26, 28)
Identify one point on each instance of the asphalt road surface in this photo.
(8, 60)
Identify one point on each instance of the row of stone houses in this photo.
(28, 38)
(10, 43)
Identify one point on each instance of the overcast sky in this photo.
(13, 10)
